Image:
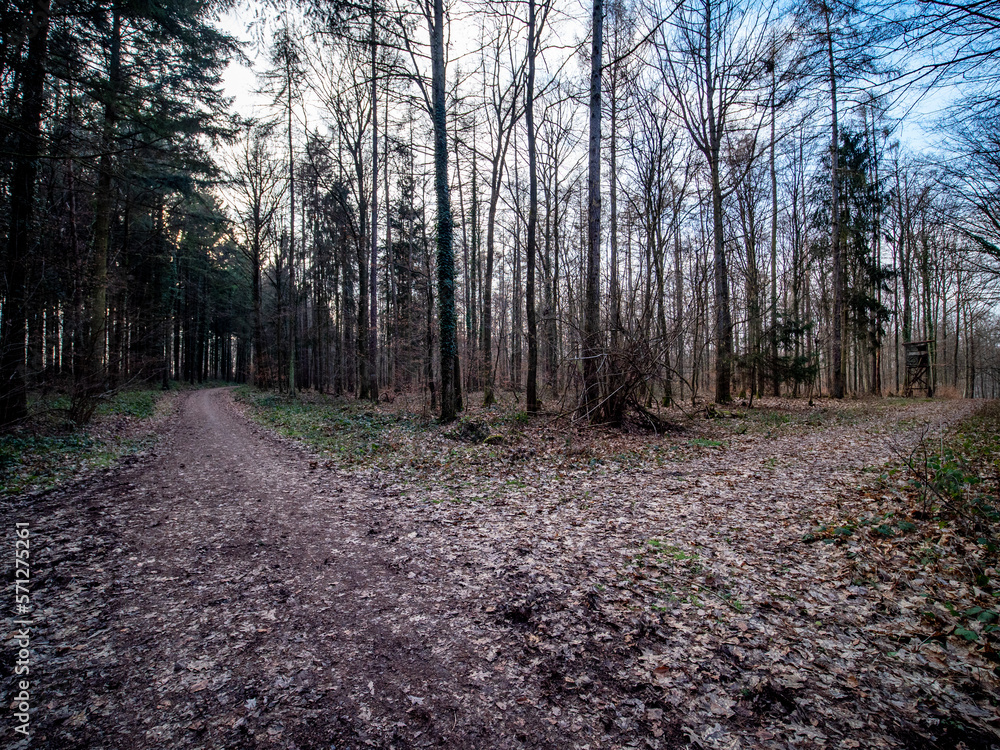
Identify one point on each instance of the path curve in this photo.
(223, 594)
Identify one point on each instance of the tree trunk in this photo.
(775, 375)
(293, 302)
(93, 375)
(592, 311)
(487, 344)
(679, 311)
(445, 227)
(723, 319)
(614, 291)
(837, 345)
(373, 263)
(532, 251)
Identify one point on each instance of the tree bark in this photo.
(723, 315)
(445, 224)
(837, 345)
(532, 250)
(775, 375)
(591, 327)
(293, 301)
(373, 263)
(487, 347)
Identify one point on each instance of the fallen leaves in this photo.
(584, 587)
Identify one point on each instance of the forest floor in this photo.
(765, 579)
(49, 450)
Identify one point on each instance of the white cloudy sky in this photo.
(240, 80)
(917, 130)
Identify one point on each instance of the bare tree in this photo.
(259, 188)
(502, 90)
(712, 57)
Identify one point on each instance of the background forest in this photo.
(601, 209)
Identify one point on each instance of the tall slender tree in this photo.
(447, 318)
(592, 345)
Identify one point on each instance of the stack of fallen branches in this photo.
(630, 369)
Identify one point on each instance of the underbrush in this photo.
(360, 434)
(349, 431)
(398, 435)
(50, 449)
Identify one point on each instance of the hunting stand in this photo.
(918, 367)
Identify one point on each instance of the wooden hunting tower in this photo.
(918, 367)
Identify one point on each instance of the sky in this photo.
(239, 79)
(917, 130)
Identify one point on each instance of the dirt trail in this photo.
(228, 592)
(225, 594)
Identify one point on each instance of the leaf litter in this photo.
(528, 585)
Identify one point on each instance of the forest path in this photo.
(230, 591)
(225, 593)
